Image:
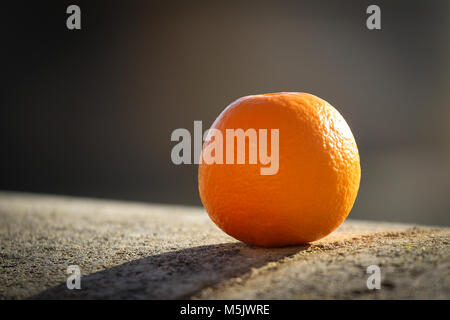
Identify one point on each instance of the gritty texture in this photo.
(139, 251)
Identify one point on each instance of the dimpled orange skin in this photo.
(316, 184)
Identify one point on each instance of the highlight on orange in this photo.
(316, 182)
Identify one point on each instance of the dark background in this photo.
(90, 112)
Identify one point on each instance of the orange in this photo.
(316, 184)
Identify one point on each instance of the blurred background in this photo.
(90, 112)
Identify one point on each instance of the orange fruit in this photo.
(315, 186)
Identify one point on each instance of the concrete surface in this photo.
(140, 251)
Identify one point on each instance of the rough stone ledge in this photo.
(141, 251)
